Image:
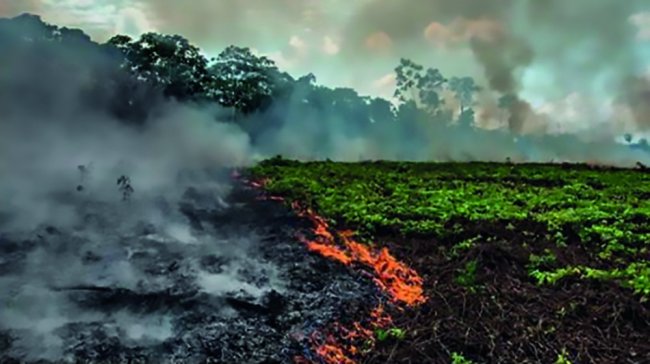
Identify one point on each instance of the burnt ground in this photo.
(503, 316)
(243, 291)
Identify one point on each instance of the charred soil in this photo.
(245, 290)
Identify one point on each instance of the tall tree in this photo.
(421, 86)
(407, 74)
(243, 81)
(430, 86)
(169, 61)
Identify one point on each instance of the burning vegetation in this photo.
(512, 260)
(403, 286)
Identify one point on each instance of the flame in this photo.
(332, 353)
(401, 283)
(380, 318)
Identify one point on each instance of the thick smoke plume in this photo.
(532, 48)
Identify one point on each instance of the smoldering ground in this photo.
(64, 222)
(175, 268)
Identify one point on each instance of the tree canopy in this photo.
(155, 67)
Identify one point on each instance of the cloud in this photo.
(461, 31)
(495, 41)
(263, 24)
(132, 21)
(11, 8)
(379, 41)
(642, 22)
(297, 43)
(384, 86)
(330, 46)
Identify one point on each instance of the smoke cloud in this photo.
(533, 49)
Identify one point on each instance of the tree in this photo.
(466, 117)
(628, 137)
(422, 87)
(124, 183)
(407, 76)
(430, 85)
(168, 61)
(381, 111)
(244, 81)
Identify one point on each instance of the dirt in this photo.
(506, 317)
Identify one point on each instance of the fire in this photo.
(402, 284)
(334, 354)
(380, 318)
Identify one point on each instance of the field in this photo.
(521, 262)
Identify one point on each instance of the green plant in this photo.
(467, 276)
(562, 358)
(393, 333)
(457, 358)
(548, 259)
(462, 246)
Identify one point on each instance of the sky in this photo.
(573, 60)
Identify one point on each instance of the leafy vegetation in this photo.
(604, 212)
(131, 76)
(467, 276)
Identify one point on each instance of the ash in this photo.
(224, 281)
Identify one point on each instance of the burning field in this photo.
(548, 264)
(138, 225)
(243, 279)
(517, 263)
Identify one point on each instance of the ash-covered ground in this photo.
(208, 279)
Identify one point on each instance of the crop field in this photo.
(521, 262)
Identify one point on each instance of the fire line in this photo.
(402, 284)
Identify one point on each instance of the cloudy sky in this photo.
(566, 57)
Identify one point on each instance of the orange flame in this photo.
(333, 354)
(380, 318)
(402, 284)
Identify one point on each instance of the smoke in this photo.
(63, 222)
(532, 49)
(245, 23)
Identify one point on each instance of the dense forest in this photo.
(128, 79)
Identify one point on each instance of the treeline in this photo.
(46, 69)
(132, 74)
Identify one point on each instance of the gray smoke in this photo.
(63, 222)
